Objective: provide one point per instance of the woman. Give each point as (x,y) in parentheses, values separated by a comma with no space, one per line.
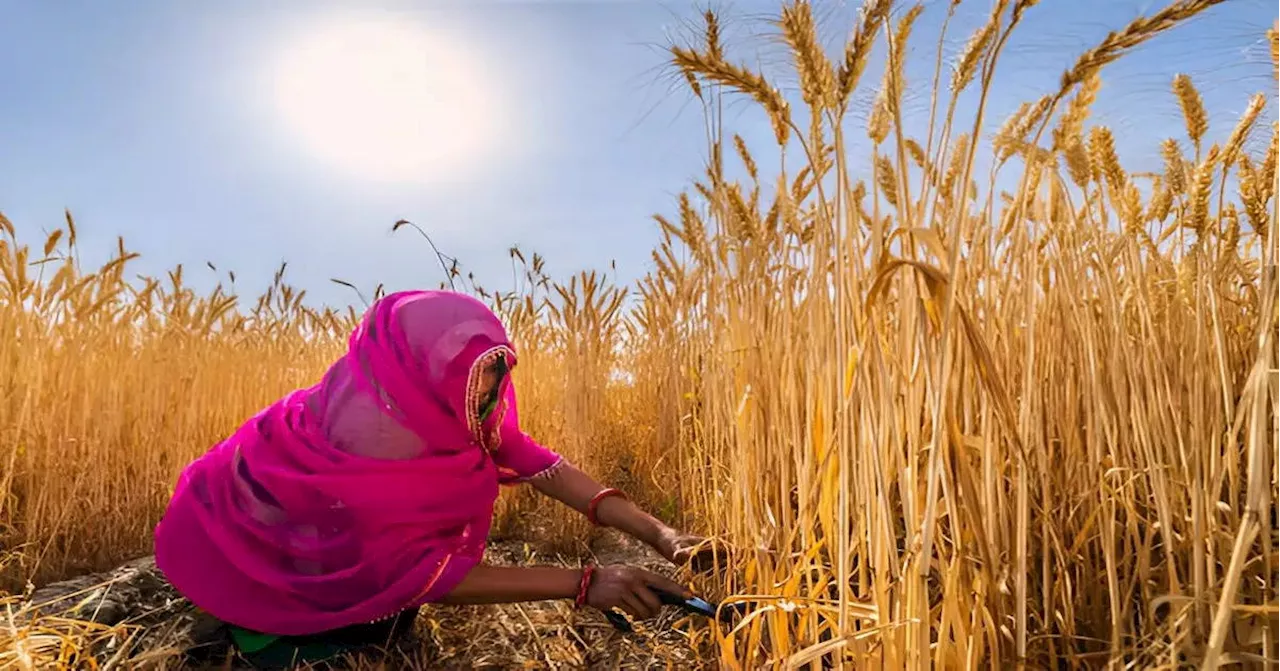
(359,499)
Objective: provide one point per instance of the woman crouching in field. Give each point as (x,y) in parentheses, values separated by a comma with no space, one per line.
(330,517)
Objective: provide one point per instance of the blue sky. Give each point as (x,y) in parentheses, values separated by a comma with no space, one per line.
(152,120)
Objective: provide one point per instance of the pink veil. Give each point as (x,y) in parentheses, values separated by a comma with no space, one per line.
(365,494)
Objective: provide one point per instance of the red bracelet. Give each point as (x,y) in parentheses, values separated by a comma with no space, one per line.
(587,572)
(595,503)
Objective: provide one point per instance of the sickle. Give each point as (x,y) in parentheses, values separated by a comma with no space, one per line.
(693,606)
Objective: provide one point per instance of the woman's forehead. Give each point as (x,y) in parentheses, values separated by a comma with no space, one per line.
(496,361)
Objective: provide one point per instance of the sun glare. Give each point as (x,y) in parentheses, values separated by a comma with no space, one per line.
(389,101)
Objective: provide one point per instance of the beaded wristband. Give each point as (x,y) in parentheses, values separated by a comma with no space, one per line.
(595,503)
(587,571)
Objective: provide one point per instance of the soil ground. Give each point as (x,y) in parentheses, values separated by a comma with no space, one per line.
(131,618)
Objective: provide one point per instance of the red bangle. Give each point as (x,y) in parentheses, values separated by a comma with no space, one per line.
(595,503)
(587,572)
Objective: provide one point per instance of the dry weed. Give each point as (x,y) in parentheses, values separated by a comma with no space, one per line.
(938,428)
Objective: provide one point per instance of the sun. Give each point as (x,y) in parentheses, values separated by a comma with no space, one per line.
(386,100)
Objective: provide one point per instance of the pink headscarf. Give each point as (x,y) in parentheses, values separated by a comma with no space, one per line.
(366,494)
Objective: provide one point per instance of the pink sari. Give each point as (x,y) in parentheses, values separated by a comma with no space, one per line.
(363,495)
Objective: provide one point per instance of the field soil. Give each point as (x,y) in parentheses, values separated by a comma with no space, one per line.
(132,618)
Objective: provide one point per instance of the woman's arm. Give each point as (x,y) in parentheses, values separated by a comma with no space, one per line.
(625,587)
(522,459)
(510,584)
(571,486)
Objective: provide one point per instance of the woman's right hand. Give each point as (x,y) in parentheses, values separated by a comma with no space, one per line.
(630,589)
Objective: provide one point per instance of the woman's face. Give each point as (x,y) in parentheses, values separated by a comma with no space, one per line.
(490,383)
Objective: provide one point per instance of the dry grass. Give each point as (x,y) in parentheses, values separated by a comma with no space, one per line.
(141,623)
(941,425)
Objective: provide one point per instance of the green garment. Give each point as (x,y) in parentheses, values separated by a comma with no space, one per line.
(268,651)
(489,407)
(271,651)
(251,641)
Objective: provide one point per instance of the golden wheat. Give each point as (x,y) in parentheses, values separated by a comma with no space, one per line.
(933,428)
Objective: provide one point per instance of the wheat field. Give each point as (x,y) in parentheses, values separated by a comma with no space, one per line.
(934,423)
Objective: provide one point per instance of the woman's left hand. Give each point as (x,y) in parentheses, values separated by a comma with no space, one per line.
(681,548)
(577,489)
